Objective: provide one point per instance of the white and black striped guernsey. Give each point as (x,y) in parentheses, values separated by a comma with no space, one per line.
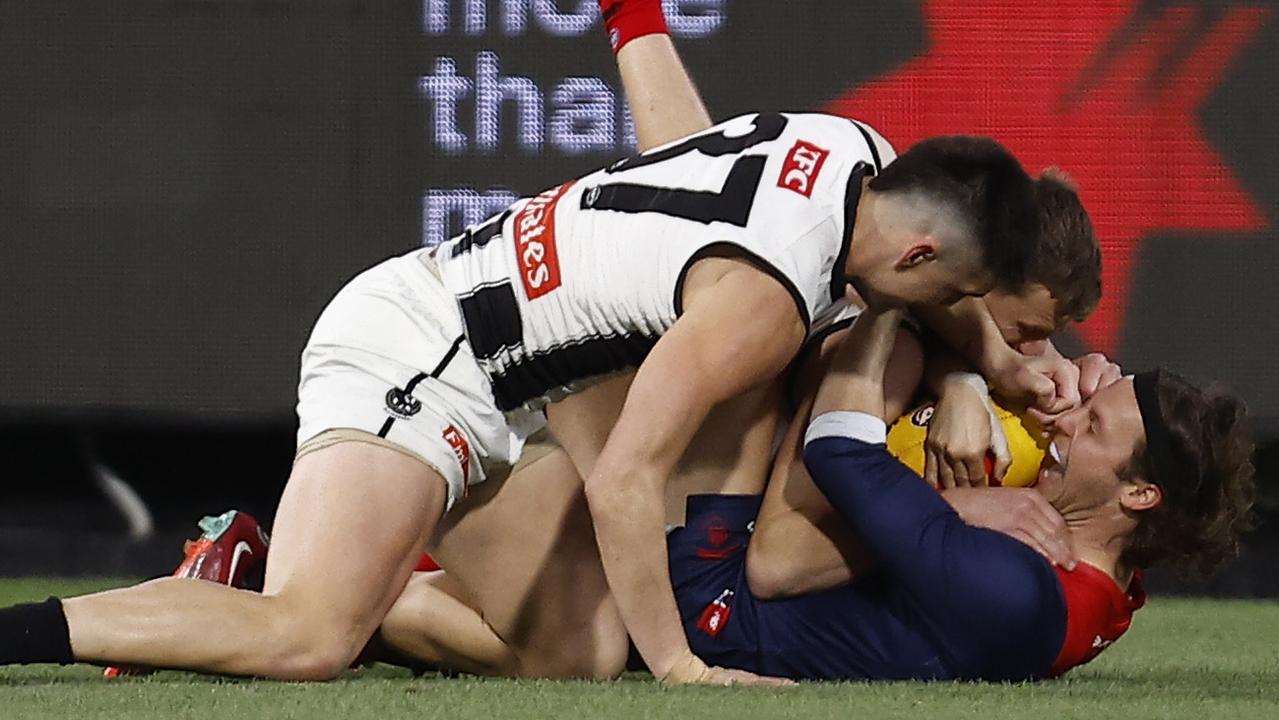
(581,280)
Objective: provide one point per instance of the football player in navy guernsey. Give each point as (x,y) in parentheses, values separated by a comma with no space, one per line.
(704,262)
(1150,469)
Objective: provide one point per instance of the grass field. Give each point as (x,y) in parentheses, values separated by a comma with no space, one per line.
(1199,659)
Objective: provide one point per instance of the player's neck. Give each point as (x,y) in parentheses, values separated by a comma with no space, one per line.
(1101,545)
(861,238)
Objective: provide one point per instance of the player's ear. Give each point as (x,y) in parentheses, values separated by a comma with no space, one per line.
(917,254)
(1139,495)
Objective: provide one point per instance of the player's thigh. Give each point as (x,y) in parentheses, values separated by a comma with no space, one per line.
(351,520)
(583,421)
(731,453)
(525,552)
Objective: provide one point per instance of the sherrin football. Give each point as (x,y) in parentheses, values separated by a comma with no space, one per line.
(1026,443)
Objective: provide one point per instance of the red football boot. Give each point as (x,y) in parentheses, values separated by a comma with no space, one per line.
(230,551)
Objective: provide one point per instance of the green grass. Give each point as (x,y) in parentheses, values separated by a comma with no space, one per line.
(1201,659)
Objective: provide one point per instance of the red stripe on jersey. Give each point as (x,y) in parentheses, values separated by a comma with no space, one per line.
(1098,612)
(534,228)
(462,451)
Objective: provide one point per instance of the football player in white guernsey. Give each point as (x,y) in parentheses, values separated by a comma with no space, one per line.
(704,262)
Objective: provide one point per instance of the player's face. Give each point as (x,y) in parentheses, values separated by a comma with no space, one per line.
(922,276)
(1094,442)
(1026,316)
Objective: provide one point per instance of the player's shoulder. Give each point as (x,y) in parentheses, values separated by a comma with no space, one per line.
(841,132)
(848,134)
(1098,612)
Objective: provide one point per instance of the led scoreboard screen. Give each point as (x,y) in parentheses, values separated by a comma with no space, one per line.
(527,87)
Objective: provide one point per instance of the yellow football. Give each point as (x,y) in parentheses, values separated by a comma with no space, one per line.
(1026,443)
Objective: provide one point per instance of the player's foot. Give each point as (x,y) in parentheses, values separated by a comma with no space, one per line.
(231,550)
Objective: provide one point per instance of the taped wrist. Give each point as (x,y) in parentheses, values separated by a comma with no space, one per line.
(626,20)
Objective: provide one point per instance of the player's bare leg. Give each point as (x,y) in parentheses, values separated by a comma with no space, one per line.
(434,623)
(524,590)
(540,583)
(351,522)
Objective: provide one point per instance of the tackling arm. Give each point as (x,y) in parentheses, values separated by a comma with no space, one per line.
(663,98)
(1046,382)
(736,333)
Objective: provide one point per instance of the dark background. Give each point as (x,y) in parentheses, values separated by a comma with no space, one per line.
(185,183)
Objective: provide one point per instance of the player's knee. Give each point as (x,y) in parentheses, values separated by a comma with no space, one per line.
(576,663)
(606,659)
(596,649)
(310,649)
(315,659)
(610,658)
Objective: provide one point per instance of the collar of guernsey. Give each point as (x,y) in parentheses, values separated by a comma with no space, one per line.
(1098,612)
(852,196)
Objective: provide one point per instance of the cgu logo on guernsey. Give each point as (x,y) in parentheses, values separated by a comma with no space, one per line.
(535,242)
(804,162)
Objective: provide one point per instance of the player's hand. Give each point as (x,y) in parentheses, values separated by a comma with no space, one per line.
(690,670)
(1096,372)
(1020,513)
(1046,381)
(963,429)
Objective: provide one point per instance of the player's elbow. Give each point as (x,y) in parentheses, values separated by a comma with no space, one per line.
(611,491)
(820,461)
(767,579)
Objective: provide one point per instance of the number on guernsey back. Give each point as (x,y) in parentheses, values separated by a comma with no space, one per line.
(732,204)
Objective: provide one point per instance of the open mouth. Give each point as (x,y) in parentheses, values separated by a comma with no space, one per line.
(1054,452)
(1053,466)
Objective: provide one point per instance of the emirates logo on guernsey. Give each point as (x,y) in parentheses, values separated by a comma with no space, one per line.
(535,242)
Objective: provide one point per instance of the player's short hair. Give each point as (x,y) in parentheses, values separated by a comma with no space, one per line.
(1068,259)
(985,186)
(1207,502)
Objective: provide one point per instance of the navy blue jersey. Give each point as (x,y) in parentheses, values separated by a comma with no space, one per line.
(947,600)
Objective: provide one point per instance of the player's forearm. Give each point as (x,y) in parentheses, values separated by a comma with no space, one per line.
(793,554)
(855,380)
(664,101)
(626,507)
(884,501)
(969,330)
(940,366)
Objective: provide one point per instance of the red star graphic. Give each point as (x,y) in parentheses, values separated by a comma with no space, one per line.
(1027,74)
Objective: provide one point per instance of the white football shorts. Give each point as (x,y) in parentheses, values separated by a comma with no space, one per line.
(388,359)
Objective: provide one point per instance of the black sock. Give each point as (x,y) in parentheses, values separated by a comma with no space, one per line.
(35,633)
